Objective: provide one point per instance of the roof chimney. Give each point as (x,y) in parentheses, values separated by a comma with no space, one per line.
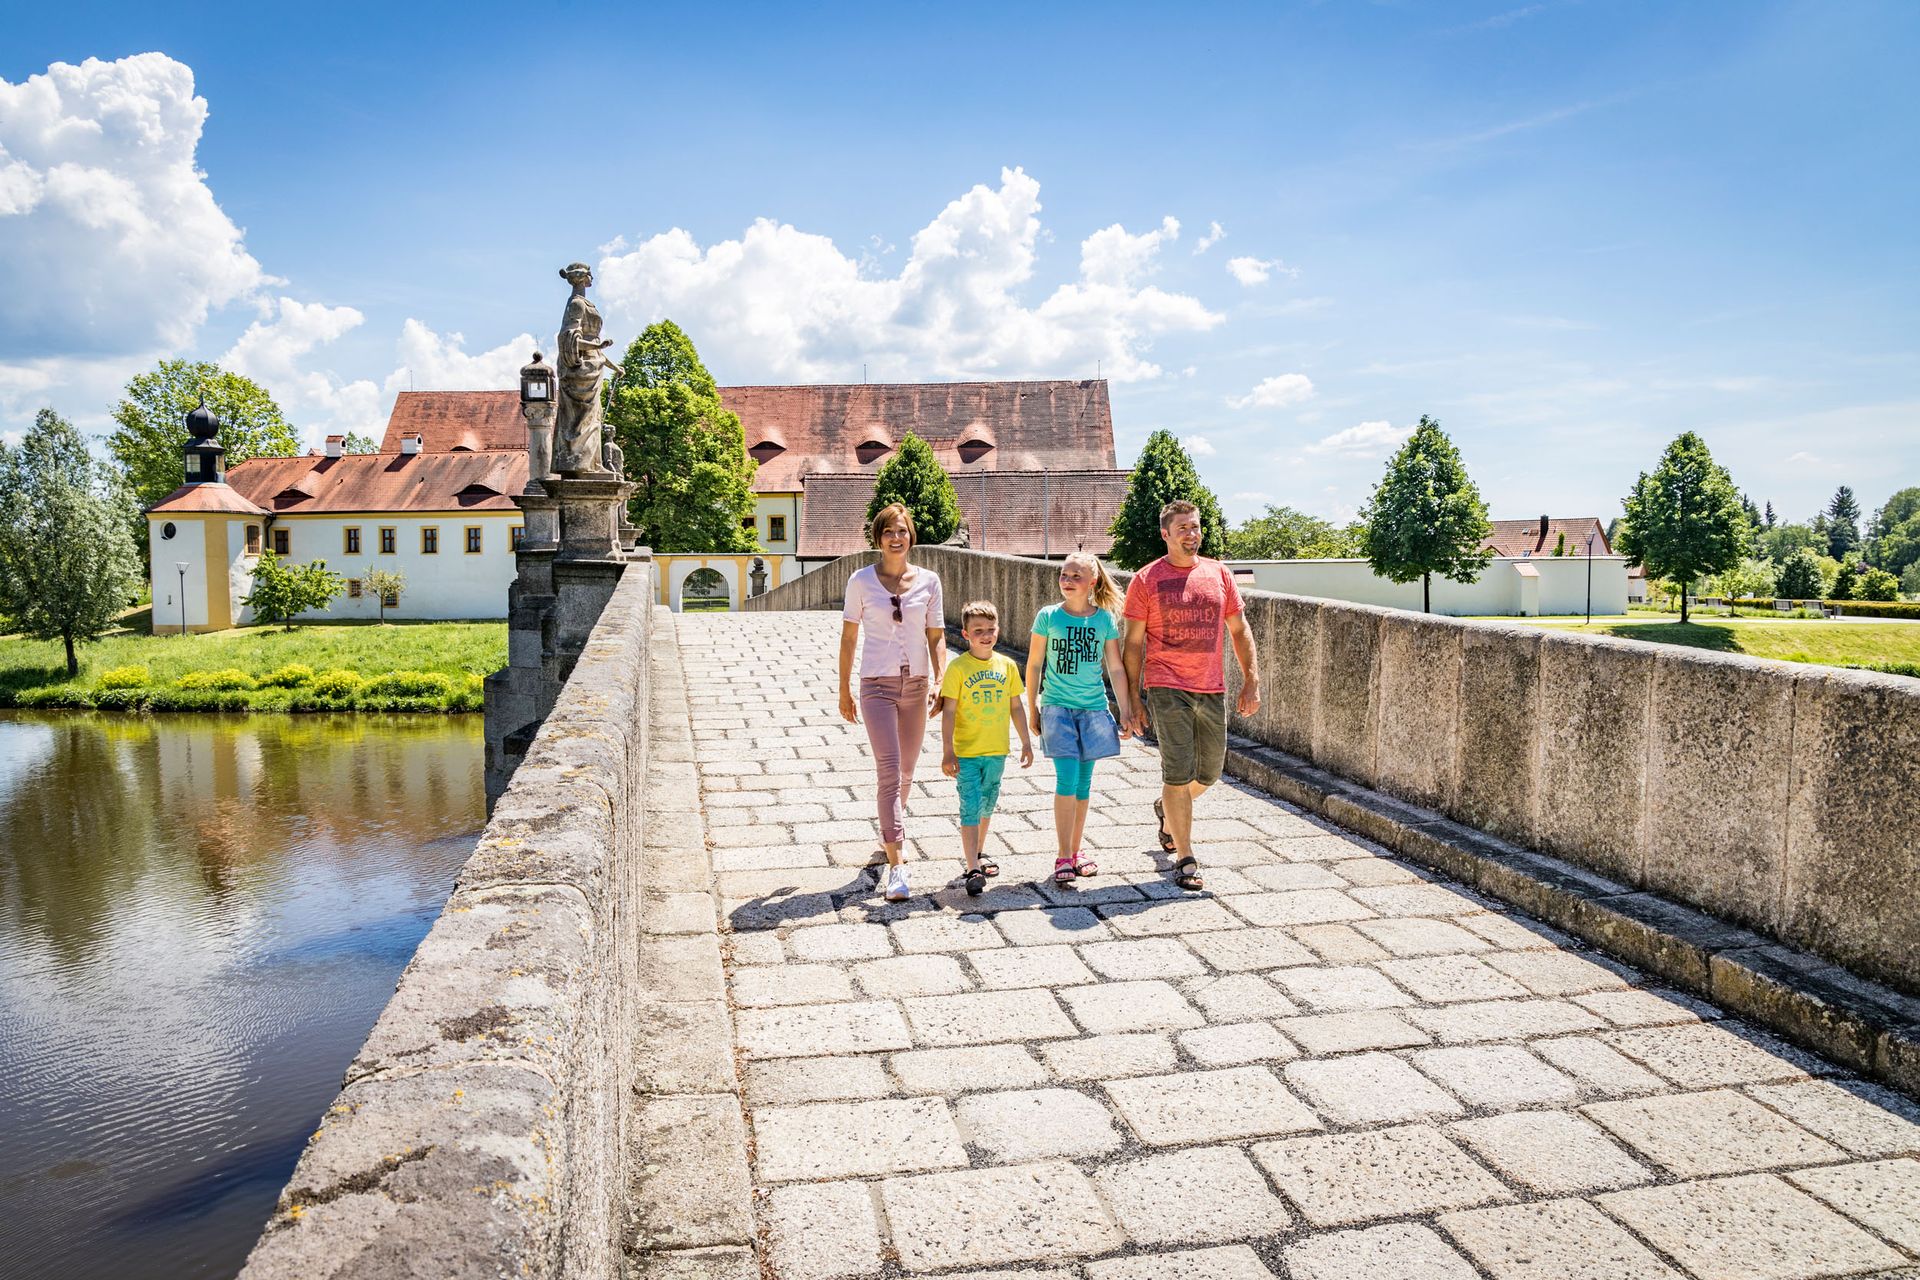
(1543,528)
(412,442)
(336,445)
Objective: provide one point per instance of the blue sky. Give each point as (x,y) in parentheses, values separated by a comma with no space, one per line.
(1567,230)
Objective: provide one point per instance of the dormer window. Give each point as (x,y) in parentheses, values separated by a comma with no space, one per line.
(872,450)
(974,448)
(766,451)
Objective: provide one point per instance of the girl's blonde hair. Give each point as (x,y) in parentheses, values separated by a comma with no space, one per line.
(1106,592)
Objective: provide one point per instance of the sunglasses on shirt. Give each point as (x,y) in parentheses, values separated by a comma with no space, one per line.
(896,608)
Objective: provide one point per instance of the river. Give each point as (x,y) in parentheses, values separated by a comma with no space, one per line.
(200,919)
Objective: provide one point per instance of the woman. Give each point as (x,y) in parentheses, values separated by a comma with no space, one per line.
(902,657)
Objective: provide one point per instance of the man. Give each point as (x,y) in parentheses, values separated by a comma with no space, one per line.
(1177,609)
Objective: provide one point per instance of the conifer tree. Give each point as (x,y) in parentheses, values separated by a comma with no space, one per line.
(1684,521)
(1800,576)
(1162,474)
(1843,524)
(685,451)
(67,559)
(1426,516)
(913,478)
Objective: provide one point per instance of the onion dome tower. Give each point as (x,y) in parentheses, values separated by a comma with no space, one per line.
(206,458)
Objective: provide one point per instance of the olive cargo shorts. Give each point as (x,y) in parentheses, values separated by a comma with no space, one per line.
(1192,729)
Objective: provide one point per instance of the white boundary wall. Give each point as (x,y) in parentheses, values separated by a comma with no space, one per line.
(1511,586)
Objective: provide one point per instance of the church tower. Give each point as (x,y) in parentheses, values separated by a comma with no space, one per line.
(206,457)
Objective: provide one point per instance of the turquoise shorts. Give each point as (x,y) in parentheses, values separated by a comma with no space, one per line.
(979,787)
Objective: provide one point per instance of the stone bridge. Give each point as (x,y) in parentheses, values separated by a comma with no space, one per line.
(667,1029)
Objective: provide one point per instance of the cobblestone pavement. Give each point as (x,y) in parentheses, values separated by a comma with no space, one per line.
(1329,1066)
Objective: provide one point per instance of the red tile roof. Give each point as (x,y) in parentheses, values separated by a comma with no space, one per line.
(972,426)
(1526,538)
(369,482)
(207,498)
(1022,513)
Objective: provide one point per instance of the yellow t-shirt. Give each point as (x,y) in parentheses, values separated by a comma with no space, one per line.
(983,694)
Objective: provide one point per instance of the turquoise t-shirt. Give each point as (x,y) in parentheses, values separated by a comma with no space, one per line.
(1076,648)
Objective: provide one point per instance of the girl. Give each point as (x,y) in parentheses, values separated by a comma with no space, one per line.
(897,607)
(1071,643)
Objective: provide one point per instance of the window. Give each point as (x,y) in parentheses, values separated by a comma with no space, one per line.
(282,541)
(514,535)
(430,541)
(473,539)
(776,528)
(386,541)
(391,600)
(353,540)
(353,588)
(751,525)
(253,539)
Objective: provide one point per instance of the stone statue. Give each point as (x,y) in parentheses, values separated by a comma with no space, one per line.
(758,576)
(582,361)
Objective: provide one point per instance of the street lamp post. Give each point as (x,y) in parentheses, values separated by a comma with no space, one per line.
(1590,579)
(181,565)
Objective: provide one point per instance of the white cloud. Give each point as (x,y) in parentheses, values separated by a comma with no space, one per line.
(1215,234)
(1253,271)
(1368,440)
(114,243)
(273,351)
(1199,446)
(1276,392)
(432,362)
(782,304)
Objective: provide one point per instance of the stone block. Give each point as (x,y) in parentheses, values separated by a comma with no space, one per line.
(1416,756)
(1209,1106)
(1449,979)
(1499,731)
(1287,631)
(1237,1044)
(986,1017)
(1403,1250)
(1369,1088)
(992,1217)
(1326,1033)
(1141,958)
(1557,973)
(1045,966)
(1036,1124)
(802,1031)
(1344,1179)
(1593,767)
(1340,988)
(854,1139)
(689,1187)
(950,1071)
(1416,936)
(825,1231)
(1754,1227)
(1811,1003)
(1497,1077)
(1502,1020)
(1853,832)
(782,984)
(1865,1119)
(1556,1240)
(1052,925)
(1239,997)
(1707,1055)
(1241,950)
(693,1264)
(1697,1135)
(1109,1057)
(794,1080)
(1550,1153)
(1662,937)
(922,975)
(1230,1262)
(1129,1006)
(1599,1068)
(1221,1195)
(1885,1196)
(683,1047)
(1346,701)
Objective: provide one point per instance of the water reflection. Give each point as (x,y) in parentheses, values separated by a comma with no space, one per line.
(200,918)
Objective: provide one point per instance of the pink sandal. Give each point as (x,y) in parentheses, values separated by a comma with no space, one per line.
(1084,866)
(1063,870)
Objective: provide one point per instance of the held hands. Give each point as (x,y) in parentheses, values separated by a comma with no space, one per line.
(848,710)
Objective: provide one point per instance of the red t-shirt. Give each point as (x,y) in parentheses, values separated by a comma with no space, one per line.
(1186,612)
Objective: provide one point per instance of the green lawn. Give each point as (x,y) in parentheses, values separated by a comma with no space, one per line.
(403,666)
(1884,645)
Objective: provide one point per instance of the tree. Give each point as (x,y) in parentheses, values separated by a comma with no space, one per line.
(1876,584)
(1780,542)
(358,442)
(685,451)
(1846,582)
(67,560)
(913,478)
(1426,516)
(152,424)
(1754,519)
(1560,547)
(386,585)
(1893,536)
(1800,576)
(1283,533)
(282,593)
(1684,521)
(1843,524)
(1748,580)
(1769,517)
(1910,580)
(1163,473)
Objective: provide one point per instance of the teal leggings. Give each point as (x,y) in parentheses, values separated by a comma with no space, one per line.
(1072,777)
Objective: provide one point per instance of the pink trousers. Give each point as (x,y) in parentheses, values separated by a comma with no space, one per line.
(894,709)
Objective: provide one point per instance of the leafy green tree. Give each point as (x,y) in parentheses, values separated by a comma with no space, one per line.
(1779,542)
(67,560)
(151,418)
(282,592)
(913,478)
(1748,580)
(1910,580)
(1843,524)
(1283,533)
(386,584)
(1846,582)
(359,442)
(1426,516)
(1163,473)
(685,452)
(1684,521)
(1893,536)
(1800,577)
(1876,584)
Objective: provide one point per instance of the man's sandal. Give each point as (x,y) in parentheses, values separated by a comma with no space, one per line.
(976,880)
(988,867)
(1063,872)
(1084,866)
(1166,841)
(1186,877)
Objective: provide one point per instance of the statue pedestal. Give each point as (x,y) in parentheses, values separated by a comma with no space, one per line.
(541,519)
(590,508)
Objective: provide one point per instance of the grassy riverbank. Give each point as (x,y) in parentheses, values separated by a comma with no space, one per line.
(405,666)
(1880,646)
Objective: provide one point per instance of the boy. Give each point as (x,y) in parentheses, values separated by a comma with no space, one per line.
(978,695)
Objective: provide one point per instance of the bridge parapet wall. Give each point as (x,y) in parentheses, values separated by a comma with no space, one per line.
(1780,796)
(480,1129)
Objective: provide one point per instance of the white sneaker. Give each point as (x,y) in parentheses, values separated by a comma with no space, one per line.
(894,884)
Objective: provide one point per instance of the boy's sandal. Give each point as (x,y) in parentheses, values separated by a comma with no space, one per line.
(1084,866)
(976,881)
(1063,870)
(1167,844)
(988,867)
(1186,877)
